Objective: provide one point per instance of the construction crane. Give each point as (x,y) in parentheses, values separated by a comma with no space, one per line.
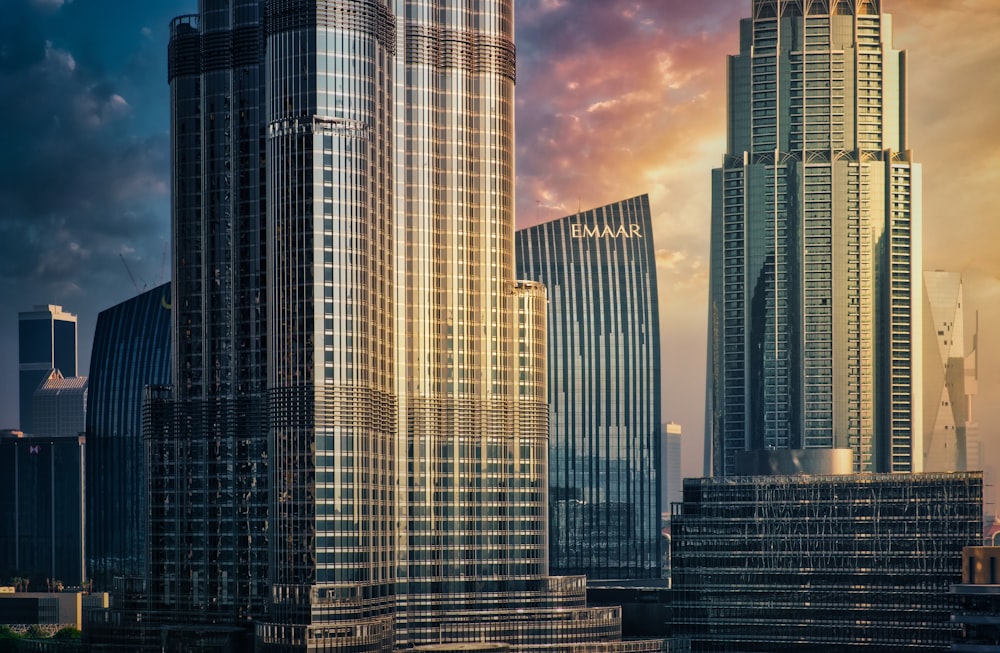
(130,275)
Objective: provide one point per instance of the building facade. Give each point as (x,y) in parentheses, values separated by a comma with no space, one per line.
(604,388)
(822,564)
(60,406)
(951,436)
(131,350)
(815,302)
(352,453)
(47,340)
(206,433)
(977,601)
(41,507)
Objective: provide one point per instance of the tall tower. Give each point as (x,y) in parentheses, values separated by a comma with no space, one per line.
(47,340)
(206,434)
(604,388)
(131,350)
(815,301)
(359,381)
(331,370)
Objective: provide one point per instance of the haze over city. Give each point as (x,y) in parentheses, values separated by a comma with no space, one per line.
(615,98)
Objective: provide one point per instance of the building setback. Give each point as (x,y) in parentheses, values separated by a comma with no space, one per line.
(131,350)
(815,301)
(604,388)
(822,564)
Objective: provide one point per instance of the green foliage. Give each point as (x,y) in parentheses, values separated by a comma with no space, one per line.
(69,633)
(8,640)
(34,632)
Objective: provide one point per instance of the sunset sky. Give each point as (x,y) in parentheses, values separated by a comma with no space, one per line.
(615,98)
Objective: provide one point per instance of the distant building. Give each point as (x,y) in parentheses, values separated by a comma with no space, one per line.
(60,406)
(977,610)
(822,563)
(951,437)
(54,609)
(671,482)
(47,341)
(41,507)
(131,350)
(604,388)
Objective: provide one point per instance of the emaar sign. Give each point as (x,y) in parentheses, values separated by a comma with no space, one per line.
(606,231)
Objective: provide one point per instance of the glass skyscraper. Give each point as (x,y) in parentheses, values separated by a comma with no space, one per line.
(131,350)
(206,434)
(352,455)
(815,302)
(46,342)
(604,388)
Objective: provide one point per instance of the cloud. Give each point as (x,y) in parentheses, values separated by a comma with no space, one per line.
(49,5)
(78,182)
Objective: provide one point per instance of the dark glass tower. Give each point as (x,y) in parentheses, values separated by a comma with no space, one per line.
(131,350)
(604,388)
(41,504)
(207,433)
(46,342)
(815,300)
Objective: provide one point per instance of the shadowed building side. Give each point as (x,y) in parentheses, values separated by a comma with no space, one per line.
(131,350)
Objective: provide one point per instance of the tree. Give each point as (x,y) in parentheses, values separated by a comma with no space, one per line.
(69,633)
(8,640)
(35,632)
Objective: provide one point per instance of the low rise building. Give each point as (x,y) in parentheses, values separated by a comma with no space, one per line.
(822,564)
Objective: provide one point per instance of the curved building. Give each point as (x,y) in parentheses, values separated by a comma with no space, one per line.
(131,350)
(604,388)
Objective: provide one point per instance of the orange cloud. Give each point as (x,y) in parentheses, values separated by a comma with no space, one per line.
(617,98)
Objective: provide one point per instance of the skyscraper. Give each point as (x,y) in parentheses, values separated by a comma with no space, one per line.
(951,437)
(352,456)
(815,302)
(46,342)
(604,388)
(131,350)
(206,435)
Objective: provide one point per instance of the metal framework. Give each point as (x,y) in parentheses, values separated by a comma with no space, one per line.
(835,563)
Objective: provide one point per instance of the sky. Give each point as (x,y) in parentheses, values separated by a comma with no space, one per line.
(614,98)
